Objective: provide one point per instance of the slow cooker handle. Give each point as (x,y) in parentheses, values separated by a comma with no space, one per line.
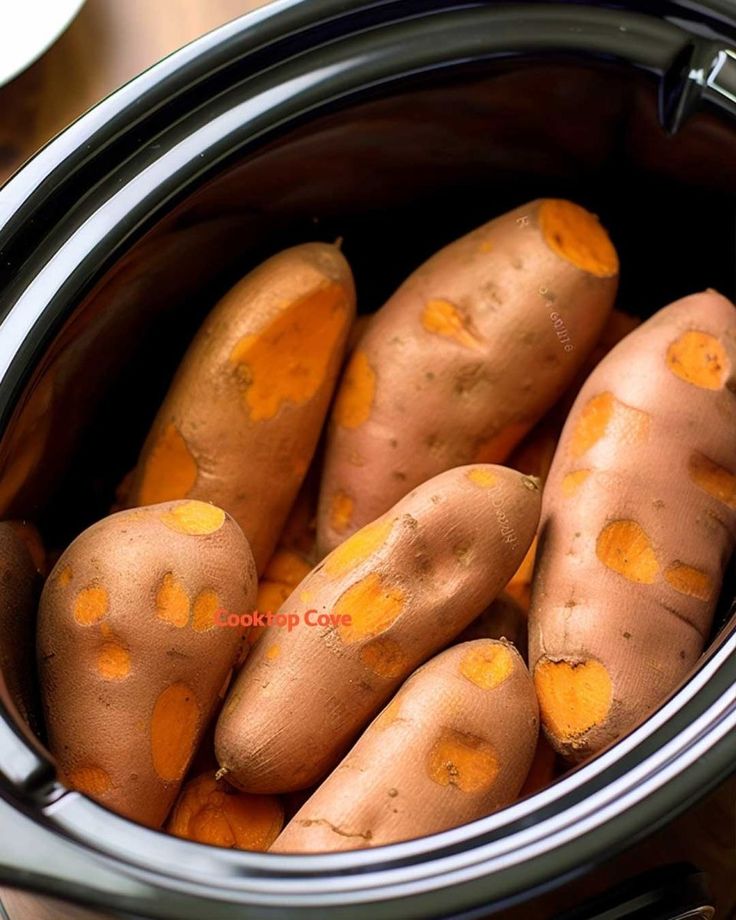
(678,891)
(37,859)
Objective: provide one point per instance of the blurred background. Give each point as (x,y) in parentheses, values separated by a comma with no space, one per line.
(108,42)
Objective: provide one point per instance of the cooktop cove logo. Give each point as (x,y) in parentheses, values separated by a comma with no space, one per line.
(283,619)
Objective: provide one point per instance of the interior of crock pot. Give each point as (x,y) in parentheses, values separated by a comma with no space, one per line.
(394,179)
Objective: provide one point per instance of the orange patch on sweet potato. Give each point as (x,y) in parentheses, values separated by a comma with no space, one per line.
(172,601)
(91,781)
(592,424)
(212,812)
(572,482)
(287,361)
(356,393)
(389,715)
(577,236)
(174,726)
(689,580)
(286,567)
(195,518)
(113,661)
(357,548)
(699,359)
(714,479)
(372,605)
(91,605)
(486,479)
(341,511)
(170,470)
(487,666)
(625,547)
(206,605)
(440,317)
(464,761)
(573,697)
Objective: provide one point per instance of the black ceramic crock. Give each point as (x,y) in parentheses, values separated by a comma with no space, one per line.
(396,125)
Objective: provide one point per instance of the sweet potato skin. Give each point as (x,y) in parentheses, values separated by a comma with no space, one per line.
(20,587)
(455,744)
(505,618)
(242,417)
(130,658)
(638,523)
(411,581)
(458,365)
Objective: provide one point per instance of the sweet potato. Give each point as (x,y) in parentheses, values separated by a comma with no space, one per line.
(454,745)
(130,657)
(639,520)
(211,811)
(282,574)
(535,453)
(543,771)
(505,618)
(20,587)
(465,357)
(242,417)
(390,597)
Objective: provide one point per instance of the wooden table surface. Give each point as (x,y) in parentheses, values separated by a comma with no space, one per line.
(109,42)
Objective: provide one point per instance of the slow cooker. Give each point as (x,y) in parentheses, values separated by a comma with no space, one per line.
(396,125)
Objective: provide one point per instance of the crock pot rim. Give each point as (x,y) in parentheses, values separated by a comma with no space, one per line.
(718,756)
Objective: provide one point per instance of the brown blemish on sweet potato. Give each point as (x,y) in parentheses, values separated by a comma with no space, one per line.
(384,657)
(625,547)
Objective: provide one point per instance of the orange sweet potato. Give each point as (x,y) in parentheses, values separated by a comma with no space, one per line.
(472,349)
(639,521)
(243,415)
(391,596)
(131,660)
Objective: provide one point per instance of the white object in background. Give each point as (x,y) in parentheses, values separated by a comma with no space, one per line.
(28,28)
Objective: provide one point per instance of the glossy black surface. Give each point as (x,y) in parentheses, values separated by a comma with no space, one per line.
(397,126)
